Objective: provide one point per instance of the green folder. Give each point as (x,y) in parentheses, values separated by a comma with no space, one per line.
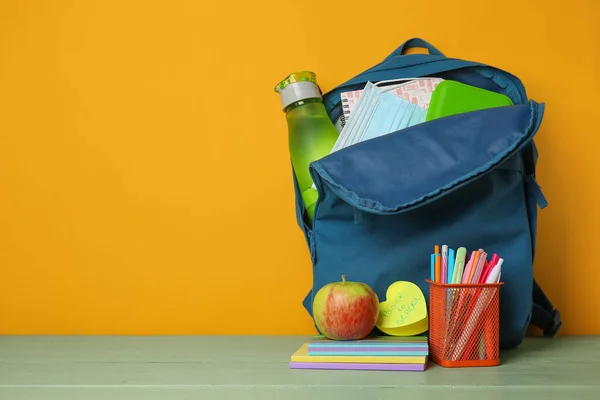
(451,97)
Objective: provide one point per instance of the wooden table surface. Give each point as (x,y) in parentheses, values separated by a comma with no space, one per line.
(256,367)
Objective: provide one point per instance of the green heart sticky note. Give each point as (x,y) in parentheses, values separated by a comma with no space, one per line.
(404,312)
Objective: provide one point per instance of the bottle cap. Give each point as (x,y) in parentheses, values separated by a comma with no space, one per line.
(298,86)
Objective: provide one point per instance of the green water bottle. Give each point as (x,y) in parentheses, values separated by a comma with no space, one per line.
(311,134)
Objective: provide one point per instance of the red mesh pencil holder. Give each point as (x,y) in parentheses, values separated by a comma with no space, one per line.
(464,324)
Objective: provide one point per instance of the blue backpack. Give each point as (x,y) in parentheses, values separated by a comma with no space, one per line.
(384,203)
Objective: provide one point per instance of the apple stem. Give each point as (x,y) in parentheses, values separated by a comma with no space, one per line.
(343,278)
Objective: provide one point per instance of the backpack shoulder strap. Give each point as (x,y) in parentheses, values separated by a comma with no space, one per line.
(544,315)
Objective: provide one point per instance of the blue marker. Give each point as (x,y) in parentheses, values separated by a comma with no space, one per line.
(433,267)
(451,261)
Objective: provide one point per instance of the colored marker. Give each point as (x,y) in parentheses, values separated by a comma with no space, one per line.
(436,272)
(474,265)
(488,268)
(494,276)
(444,273)
(468,267)
(459,265)
(478,271)
(451,261)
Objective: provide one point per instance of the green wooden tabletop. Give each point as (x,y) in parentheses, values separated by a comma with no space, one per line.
(256,367)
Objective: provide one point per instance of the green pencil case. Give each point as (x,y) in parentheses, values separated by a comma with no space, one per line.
(451,97)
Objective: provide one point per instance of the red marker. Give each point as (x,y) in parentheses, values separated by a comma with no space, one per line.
(489,268)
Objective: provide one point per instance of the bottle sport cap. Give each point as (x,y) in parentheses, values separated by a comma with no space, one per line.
(298,86)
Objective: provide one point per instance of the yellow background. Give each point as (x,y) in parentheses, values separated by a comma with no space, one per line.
(144,172)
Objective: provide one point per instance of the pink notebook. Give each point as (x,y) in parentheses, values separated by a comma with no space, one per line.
(417,92)
(365,367)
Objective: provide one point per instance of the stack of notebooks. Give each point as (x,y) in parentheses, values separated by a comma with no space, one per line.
(381,353)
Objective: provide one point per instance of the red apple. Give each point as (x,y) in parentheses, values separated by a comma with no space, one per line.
(346,310)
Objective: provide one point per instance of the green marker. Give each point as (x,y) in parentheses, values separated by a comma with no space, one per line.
(459,265)
(311,134)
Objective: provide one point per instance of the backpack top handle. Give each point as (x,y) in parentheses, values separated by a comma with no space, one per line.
(415,43)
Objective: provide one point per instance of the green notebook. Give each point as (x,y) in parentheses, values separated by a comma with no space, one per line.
(372,339)
(451,97)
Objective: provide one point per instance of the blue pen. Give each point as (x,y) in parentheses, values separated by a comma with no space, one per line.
(433,267)
(451,261)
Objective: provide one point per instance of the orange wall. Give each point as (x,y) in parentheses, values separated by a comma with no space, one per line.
(143,154)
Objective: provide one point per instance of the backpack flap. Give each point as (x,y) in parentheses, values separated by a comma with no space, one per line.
(459,180)
(410,168)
